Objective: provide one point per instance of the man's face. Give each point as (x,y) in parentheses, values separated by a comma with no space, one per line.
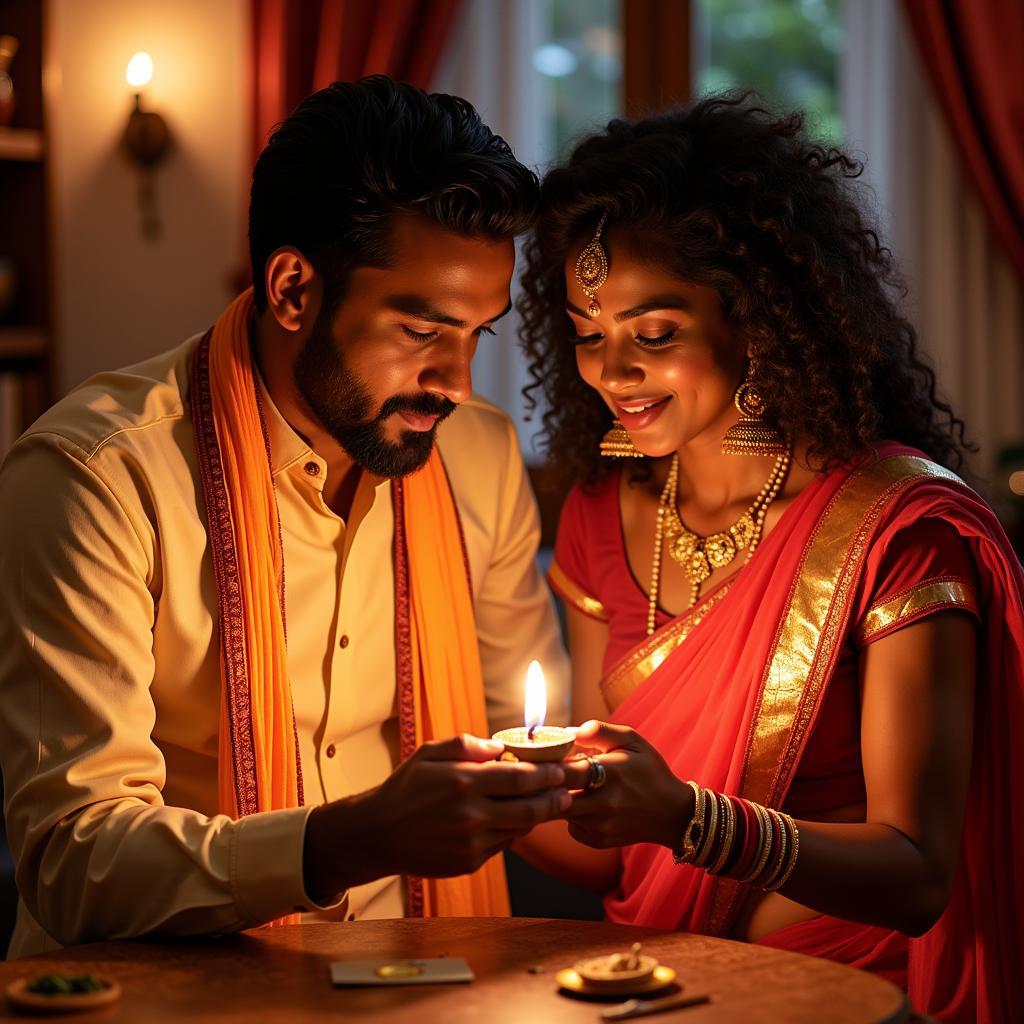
(394,358)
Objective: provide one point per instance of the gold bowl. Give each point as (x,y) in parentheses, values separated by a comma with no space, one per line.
(598,974)
(660,978)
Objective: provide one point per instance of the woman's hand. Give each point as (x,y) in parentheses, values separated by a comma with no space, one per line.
(641,800)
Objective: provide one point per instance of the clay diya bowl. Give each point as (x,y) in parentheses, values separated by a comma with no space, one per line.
(548,743)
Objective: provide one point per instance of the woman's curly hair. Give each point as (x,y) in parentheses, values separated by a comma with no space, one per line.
(743,202)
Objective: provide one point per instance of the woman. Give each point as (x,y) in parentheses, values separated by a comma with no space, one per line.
(804,629)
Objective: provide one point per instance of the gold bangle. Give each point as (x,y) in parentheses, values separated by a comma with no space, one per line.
(693,833)
(752,867)
(782,861)
(704,849)
(730,836)
(794,849)
(775,840)
(774,870)
(766,844)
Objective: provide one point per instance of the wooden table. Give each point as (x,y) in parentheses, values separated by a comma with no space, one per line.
(281,974)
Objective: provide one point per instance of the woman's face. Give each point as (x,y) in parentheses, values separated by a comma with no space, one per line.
(660,353)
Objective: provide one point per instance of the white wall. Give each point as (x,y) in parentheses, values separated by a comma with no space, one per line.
(119,296)
(501,83)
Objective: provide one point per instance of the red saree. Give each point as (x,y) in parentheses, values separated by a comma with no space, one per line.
(762,652)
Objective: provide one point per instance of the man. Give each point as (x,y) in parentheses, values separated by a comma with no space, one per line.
(245,579)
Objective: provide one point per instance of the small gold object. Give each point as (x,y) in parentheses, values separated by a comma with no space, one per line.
(398,970)
(617,444)
(592,267)
(751,436)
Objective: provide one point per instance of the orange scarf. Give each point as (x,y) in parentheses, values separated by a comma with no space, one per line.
(441,688)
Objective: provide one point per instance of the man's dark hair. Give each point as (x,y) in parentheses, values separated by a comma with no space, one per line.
(353,155)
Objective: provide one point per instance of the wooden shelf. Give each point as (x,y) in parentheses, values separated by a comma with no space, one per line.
(22,343)
(26,337)
(21,144)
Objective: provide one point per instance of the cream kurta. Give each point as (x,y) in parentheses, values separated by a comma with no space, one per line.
(109,672)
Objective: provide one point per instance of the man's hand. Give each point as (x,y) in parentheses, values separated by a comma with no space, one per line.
(641,801)
(443,812)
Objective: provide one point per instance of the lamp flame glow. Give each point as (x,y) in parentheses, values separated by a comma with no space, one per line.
(140,70)
(535,706)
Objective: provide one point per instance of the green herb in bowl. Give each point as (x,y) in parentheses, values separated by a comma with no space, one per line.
(64,984)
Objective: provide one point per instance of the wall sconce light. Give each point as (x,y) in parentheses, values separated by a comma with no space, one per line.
(147,140)
(147,136)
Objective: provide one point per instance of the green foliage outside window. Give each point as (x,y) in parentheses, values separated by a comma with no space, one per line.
(588,93)
(788,50)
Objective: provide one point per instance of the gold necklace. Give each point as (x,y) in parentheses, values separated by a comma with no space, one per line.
(699,556)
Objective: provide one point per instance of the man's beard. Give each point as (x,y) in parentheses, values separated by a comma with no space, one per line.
(344,407)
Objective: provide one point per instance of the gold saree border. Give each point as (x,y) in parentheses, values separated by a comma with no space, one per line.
(912,604)
(641,663)
(574,594)
(809,635)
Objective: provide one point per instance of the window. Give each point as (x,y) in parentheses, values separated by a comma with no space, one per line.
(788,50)
(580,61)
(545,72)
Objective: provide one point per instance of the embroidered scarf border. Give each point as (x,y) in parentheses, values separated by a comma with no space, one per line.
(403,666)
(403,653)
(230,617)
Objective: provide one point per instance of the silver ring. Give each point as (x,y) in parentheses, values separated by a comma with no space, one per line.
(598,775)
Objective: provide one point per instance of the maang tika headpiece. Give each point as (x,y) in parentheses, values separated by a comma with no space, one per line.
(592,267)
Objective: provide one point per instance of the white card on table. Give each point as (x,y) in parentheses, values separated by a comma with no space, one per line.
(439,970)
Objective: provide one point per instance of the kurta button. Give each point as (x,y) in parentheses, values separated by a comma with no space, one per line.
(343,642)
(312,468)
(331,750)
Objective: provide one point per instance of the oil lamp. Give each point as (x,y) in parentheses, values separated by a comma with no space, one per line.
(534,741)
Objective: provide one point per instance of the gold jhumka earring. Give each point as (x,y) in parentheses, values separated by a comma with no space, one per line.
(591,273)
(752,436)
(617,444)
(592,267)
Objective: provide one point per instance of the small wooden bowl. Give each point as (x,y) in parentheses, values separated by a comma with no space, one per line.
(19,997)
(549,743)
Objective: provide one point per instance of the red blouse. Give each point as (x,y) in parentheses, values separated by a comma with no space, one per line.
(917,570)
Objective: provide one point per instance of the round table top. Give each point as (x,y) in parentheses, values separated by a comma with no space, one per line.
(282,974)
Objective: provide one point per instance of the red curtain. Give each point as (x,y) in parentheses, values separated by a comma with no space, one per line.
(974,52)
(299,46)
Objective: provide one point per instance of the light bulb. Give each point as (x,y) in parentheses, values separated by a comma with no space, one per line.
(140,70)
